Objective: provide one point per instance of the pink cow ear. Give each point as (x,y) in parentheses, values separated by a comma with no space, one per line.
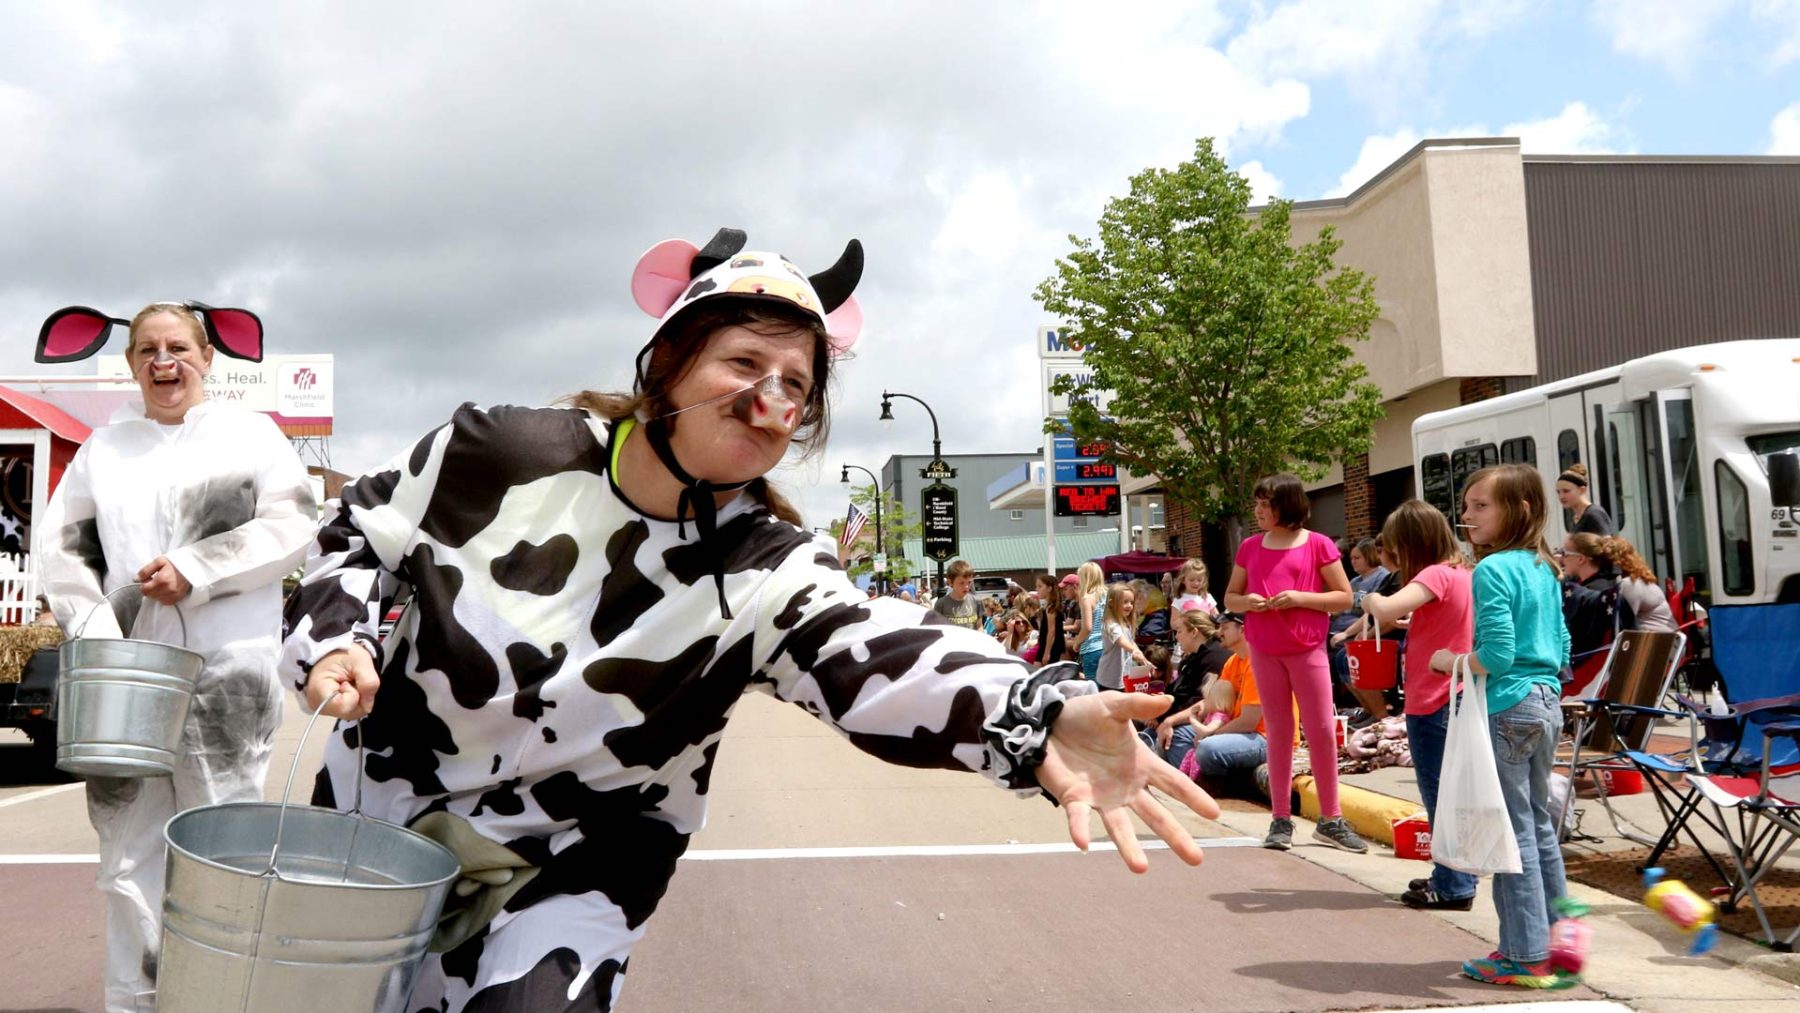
(661,274)
(843,325)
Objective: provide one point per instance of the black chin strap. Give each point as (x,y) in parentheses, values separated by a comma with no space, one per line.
(697,496)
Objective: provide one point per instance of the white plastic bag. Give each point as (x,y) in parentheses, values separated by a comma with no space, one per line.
(1470,830)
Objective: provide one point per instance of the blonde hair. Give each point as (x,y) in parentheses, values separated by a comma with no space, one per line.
(1093,581)
(1518,493)
(174,309)
(1196,621)
(1220,695)
(1188,569)
(1615,550)
(1114,595)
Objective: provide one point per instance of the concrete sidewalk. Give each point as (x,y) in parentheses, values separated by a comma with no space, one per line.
(1636,958)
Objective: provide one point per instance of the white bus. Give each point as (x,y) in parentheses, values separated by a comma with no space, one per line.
(1692,451)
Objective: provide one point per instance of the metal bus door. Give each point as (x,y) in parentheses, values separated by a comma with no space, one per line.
(1623,472)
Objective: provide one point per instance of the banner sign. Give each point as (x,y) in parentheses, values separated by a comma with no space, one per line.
(293,390)
(937,508)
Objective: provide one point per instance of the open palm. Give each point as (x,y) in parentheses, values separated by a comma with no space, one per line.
(1094,760)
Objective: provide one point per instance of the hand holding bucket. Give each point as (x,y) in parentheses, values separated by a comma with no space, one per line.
(121,704)
(1370,666)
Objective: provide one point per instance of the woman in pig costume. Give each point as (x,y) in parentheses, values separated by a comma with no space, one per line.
(594,588)
(207,506)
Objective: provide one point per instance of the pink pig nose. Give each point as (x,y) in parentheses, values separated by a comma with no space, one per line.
(766,412)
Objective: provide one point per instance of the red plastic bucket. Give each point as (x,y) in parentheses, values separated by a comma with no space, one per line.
(1412,838)
(1371,667)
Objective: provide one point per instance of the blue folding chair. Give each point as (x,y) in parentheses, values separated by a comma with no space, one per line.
(1757,651)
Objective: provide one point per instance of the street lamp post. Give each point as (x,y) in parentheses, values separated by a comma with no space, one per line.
(880,578)
(937,444)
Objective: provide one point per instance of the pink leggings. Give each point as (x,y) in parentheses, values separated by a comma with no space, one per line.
(1280,679)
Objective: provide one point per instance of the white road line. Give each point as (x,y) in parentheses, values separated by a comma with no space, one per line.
(763,854)
(1547,1006)
(943,850)
(32,796)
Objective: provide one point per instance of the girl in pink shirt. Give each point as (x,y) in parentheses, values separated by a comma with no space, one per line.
(1288,581)
(1437,593)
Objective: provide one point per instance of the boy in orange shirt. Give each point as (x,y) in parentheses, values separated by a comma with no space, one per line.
(1238,749)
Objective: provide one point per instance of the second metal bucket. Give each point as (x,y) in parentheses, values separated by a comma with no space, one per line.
(272,908)
(121,704)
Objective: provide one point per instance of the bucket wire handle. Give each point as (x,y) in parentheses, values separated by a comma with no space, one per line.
(288,792)
(107,598)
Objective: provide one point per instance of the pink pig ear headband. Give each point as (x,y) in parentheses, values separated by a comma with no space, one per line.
(675,274)
(74,333)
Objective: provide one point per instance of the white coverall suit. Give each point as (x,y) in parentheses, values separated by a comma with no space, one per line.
(225,498)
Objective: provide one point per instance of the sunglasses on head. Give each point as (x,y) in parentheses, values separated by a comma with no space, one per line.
(74,333)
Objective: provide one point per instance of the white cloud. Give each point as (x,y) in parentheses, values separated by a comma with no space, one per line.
(1671,33)
(1575,130)
(1377,152)
(1784,131)
(1264,186)
(1781,20)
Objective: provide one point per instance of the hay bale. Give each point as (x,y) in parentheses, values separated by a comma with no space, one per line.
(19,643)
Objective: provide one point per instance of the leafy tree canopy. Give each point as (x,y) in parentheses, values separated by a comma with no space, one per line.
(1227,347)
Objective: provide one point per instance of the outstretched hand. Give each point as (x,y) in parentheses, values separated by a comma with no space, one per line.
(1094,760)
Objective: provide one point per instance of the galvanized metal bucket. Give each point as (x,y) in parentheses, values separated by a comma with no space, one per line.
(296,909)
(121,704)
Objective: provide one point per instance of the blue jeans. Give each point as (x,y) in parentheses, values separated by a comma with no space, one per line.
(1425,733)
(1222,757)
(1524,738)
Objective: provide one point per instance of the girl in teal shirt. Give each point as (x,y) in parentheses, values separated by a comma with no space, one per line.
(1521,645)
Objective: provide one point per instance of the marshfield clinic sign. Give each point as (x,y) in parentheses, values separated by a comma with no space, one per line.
(293,390)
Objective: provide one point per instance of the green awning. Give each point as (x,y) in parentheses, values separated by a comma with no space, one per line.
(1022,552)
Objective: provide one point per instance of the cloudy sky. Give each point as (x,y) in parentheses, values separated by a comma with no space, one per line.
(449,197)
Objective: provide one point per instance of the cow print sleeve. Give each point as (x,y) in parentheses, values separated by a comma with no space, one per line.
(900,682)
(353,568)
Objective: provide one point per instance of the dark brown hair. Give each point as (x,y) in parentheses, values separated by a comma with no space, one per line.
(1054,598)
(1418,535)
(678,347)
(1518,492)
(1287,498)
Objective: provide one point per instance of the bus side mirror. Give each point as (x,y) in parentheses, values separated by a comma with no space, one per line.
(1784,479)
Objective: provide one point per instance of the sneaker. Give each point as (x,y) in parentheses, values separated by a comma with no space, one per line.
(1427,899)
(1280,836)
(1419,884)
(1337,833)
(1498,970)
(1364,720)
(1262,779)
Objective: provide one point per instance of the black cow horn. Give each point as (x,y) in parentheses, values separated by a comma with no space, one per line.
(724,243)
(835,283)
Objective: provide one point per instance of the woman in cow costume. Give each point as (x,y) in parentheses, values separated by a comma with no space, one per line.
(208,508)
(595,586)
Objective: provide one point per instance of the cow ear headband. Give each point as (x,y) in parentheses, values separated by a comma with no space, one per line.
(674,275)
(74,333)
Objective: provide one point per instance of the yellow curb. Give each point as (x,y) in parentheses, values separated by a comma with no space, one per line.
(1370,813)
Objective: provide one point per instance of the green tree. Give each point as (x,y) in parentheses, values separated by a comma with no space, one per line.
(896,528)
(1226,346)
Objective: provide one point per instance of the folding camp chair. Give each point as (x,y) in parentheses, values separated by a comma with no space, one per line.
(1757,651)
(1637,672)
(1767,823)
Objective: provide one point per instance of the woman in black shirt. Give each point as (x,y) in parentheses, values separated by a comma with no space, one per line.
(1584,514)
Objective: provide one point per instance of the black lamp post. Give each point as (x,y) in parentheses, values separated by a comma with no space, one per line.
(880,578)
(937,444)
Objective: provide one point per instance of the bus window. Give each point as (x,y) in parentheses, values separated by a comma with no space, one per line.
(1568,449)
(1520,450)
(1736,559)
(1434,469)
(1466,462)
(1690,515)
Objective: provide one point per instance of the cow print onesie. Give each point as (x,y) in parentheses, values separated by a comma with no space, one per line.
(563,675)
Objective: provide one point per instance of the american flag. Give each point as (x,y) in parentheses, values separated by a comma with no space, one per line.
(853,525)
